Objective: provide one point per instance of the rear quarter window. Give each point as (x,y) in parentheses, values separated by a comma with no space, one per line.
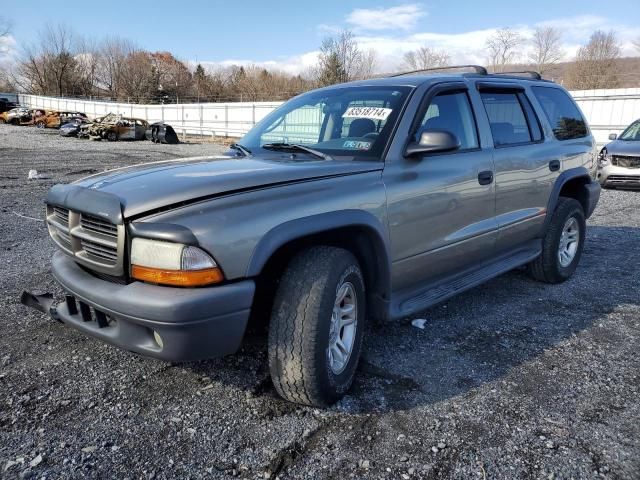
(561,111)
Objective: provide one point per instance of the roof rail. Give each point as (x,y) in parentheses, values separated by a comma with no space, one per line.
(529,73)
(476,68)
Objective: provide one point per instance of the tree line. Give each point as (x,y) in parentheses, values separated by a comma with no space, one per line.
(60,63)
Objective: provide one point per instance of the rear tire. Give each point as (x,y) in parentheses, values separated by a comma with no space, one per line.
(112,136)
(317,325)
(562,244)
(40,125)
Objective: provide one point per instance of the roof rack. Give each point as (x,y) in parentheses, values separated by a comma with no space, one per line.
(476,68)
(529,73)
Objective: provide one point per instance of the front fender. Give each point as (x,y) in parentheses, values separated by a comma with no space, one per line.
(302,227)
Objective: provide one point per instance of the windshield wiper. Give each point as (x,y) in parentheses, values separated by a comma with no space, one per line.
(293,147)
(243,150)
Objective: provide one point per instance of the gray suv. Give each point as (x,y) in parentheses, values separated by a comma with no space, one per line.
(368,201)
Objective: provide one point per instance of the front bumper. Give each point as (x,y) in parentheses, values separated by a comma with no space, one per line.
(614,176)
(193,323)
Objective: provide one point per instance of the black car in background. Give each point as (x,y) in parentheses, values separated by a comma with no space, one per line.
(6,105)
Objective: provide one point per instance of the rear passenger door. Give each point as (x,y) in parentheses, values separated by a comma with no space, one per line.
(525,168)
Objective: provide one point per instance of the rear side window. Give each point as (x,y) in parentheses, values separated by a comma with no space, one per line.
(563,115)
(511,118)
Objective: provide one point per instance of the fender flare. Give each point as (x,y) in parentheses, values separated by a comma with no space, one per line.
(303,227)
(590,193)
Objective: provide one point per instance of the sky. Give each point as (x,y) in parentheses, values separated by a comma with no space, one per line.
(286,34)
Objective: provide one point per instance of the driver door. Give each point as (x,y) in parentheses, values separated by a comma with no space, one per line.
(441,206)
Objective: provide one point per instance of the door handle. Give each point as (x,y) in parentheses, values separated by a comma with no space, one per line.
(485,178)
(554,165)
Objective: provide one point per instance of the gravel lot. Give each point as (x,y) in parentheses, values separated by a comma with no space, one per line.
(514,379)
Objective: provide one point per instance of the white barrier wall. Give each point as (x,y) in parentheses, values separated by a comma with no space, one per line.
(607,111)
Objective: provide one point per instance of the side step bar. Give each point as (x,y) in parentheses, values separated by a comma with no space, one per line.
(421,299)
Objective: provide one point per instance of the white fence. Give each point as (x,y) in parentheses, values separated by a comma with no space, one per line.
(608,111)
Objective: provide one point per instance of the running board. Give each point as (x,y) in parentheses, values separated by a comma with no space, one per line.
(421,299)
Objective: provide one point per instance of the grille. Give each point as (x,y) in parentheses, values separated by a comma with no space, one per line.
(623,178)
(625,161)
(95,243)
(98,225)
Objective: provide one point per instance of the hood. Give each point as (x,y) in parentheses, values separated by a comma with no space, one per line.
(622,147)
(152,186)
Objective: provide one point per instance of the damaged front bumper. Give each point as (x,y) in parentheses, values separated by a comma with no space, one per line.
(173,324)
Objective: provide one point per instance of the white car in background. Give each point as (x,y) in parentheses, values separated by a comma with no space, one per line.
(619,161)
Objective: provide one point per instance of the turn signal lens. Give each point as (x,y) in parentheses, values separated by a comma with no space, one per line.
(178,278)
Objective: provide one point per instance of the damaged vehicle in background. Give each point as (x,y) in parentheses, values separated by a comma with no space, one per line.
(72,128)
(53,119)
(20,116)
(162,133)
(115,127)
(619,161)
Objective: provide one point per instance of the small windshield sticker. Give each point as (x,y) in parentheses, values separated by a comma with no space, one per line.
(357,145)
(374,113)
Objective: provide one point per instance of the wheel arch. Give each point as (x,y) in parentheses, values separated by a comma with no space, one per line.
(574,183)
(358,231)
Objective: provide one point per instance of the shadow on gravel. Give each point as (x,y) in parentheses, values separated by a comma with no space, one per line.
(474,338)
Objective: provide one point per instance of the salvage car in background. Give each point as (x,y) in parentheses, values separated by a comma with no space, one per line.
(72,128)
(53,119)
(619,161)
(20,116)
(114,127)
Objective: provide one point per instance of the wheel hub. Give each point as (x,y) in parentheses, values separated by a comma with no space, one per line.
(569,239)
(342,332)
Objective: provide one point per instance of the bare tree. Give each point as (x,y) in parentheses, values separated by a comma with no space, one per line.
(341,60)
(426,57)
(502,48)
(112,56)
(368,64)
(594,66)
(547,48)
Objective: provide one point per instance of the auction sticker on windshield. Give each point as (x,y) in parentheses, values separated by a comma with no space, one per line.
(374,113)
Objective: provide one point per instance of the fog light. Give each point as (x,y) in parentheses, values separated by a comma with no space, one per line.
(158,339)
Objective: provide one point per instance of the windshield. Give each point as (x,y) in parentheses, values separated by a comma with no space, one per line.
(632,133)
(350,121)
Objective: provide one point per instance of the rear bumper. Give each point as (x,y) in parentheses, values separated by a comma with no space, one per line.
(193,323)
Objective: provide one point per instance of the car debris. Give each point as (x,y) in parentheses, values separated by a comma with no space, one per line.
(419,323)
(115,127)
(162,133)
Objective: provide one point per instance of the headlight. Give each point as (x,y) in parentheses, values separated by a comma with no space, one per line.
(175,264)
(604,158)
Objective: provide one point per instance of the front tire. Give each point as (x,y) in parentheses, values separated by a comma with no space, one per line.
(317,325)
(562,244)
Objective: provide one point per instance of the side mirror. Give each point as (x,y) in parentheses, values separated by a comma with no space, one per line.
(613,136)
(432,141)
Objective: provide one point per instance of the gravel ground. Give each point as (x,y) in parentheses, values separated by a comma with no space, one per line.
(514,379)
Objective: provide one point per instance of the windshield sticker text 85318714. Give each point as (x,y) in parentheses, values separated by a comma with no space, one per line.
(357,145)
(374,113)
